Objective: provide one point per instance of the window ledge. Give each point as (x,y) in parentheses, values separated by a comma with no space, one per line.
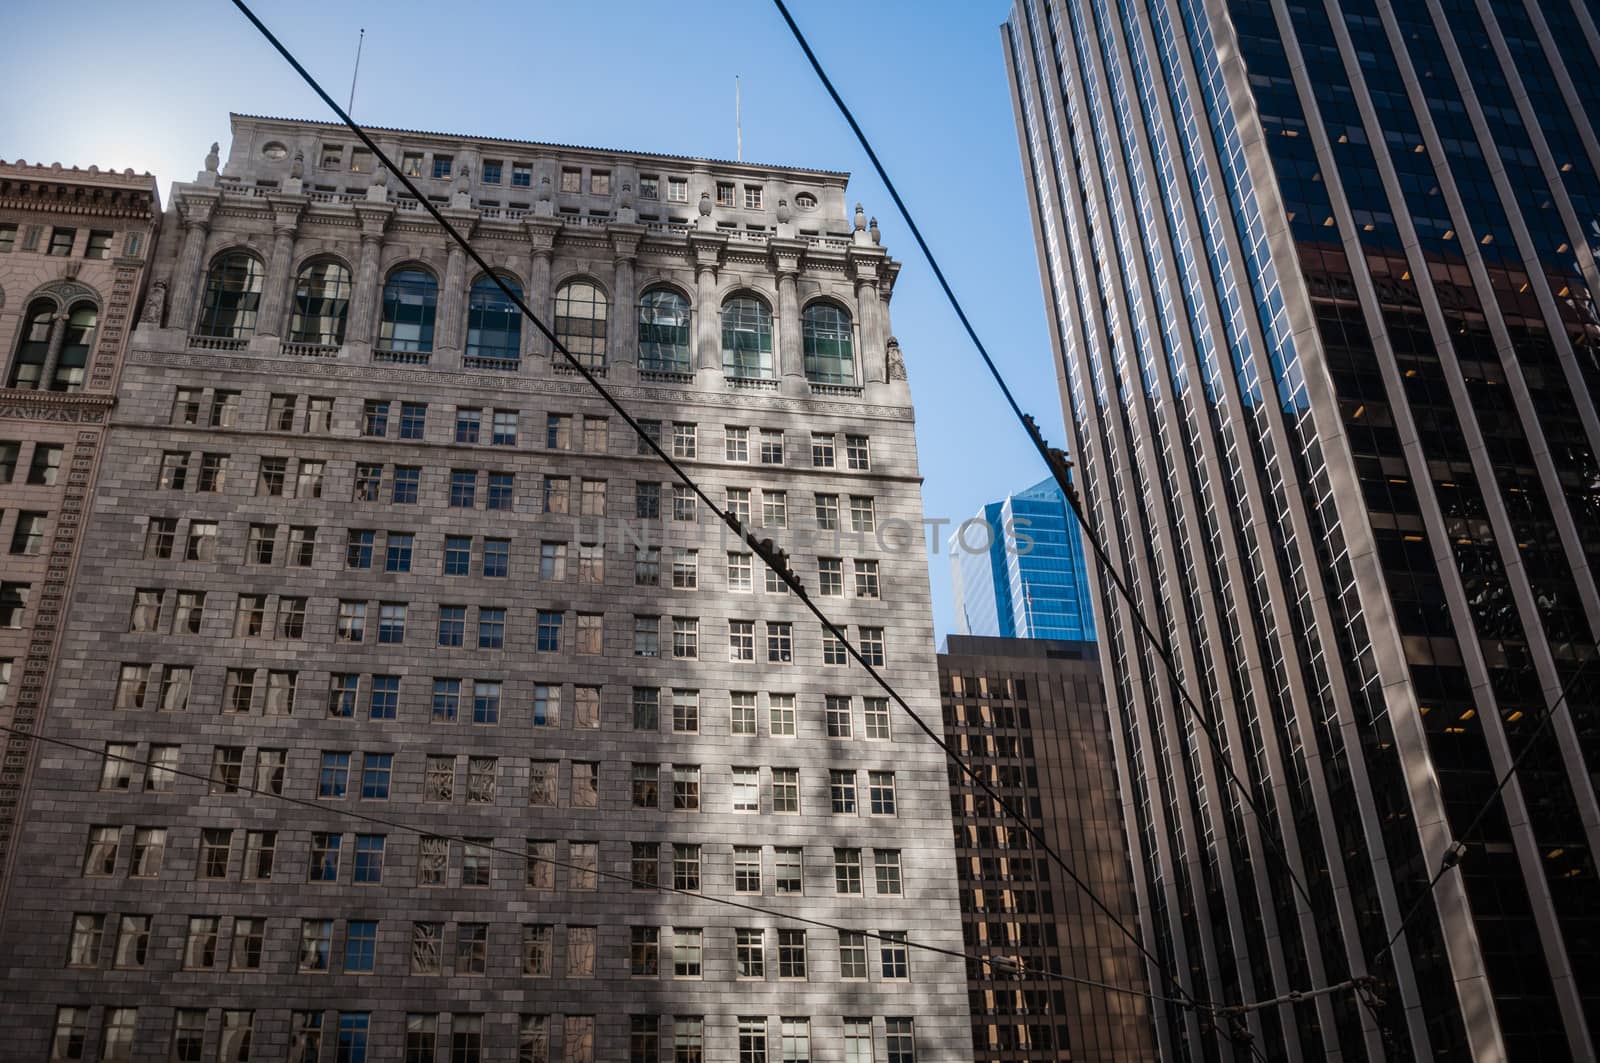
(383,354)
(217,343)
(309,350)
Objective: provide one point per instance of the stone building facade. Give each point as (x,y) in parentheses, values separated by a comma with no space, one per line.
(365,544)
(1031,715)
(74,246)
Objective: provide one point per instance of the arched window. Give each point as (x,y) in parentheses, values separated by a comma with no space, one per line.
(747,338)
(73,361)
(232,297)
(27,368)
(829,350)
(321,304)
(664,332)
(581,322)
(410,301)
(494,324)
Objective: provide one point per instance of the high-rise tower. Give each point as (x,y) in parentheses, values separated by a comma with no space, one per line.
(1321,279)
(364,544)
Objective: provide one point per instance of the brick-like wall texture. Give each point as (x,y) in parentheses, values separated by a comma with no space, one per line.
(167,677)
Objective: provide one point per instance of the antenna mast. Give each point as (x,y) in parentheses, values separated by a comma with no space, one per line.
(351,106)
(738,123)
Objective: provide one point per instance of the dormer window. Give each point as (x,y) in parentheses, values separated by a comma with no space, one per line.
(805,201)
(274,151)
(724,193)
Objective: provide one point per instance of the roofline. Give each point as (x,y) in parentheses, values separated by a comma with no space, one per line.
(752,166)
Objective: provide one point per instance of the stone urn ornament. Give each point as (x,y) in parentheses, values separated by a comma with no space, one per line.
(785,214)
(213,157)
(705,204)
(861,219)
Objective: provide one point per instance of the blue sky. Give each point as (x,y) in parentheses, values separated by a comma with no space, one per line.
(150,86)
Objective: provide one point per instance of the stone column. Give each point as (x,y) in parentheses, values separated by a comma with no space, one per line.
(187,279)
(869,335)
(452,301)
(707,338)
(277,296)
(791,356)
(542,241)
(364,298)
(622,331)
(52,357)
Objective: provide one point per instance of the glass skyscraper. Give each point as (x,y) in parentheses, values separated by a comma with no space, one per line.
(1321,278)
(1024,576)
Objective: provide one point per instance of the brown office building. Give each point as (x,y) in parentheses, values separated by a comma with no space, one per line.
(74,244)
(1031,714)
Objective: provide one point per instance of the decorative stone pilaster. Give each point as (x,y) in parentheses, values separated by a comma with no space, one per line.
(791,356)
(541,247)
(864,270)
(706,250)
(276,297)
(452,302)
(363,300)
(187,278)
(621,332)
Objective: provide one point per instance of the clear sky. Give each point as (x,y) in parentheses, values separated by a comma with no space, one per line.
(150,86)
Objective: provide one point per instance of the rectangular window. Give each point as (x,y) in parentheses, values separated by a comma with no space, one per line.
(546,705)
(413,420)
(457,555)
(743,713)
(375,418)
(833,648)
(497,558)
(686,867)
(741,640)
(644,952)
(542,781)
(863,513)
(521,175)
(871,646)
(847,871)
(782,714)
(686,953)
(645,786)
(685,638)
(880,790)
(159,538)
(685,440)
(463,488)
(391,623)
(740,572)
(592,500)
(376,771)
(774,509)
(887,864)
(858,453)
(558,431)
(260,849)
(725,191)
(485,702)
(852,955)
(686,788)
(501,491)
(549,631)
(472,958)
(319,415)
(792,954)
(842,791)
(785,790)
(746,869)
(600,183)
(647,636)
(830,576)
(589,634)
(585,785)
(99,244)
(644,865)
(646,709)
(827,512)
(368,482)
(174,470)
(441,166)
(280,413)
(685,711)
(788,870)
(227,769)
(369,859)
(476,862)
(647,566)
(333,781)
(894,954)
(490,173)
(685,505)
(133,680)
(505,428)
(747,789)
(771,446)
(469,424)
(360,946)
(736,443)
(61,240)
(407,480)
(867,579)
(838,715)
(342,693)
(780,642)
(752,197)
(571,180)
(215,846)
(308,480)
(352,622)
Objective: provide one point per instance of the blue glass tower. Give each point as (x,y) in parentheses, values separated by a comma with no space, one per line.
(1023,577)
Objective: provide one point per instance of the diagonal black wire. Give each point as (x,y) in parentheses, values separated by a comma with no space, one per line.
(997,963)
(769,556)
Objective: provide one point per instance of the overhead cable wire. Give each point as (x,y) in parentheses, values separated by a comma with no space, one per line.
(774,558)
(1005,965)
